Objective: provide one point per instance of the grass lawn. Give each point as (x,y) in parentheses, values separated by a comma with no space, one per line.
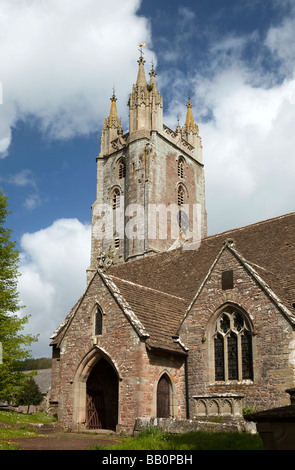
(155,440)
(14,424)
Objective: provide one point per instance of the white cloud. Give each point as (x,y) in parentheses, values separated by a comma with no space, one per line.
(32,201)
(248,151)
(53,276)
(246,115)
(22,178)
(280,39)
(60,58)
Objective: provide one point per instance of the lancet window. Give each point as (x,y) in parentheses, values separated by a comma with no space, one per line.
(180,167)
(121,169)
(116,198)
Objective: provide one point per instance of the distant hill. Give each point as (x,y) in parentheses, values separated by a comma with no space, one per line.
(35,364)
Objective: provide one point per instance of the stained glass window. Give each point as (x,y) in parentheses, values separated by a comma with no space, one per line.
(232,350)
(219,358)
(232,347)
(246,340)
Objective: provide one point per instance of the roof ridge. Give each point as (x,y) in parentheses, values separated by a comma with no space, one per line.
(254,224)
(146,287)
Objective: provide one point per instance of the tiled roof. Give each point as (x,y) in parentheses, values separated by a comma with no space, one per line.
(159,312)
(268,246)
(42,379)
(158,289)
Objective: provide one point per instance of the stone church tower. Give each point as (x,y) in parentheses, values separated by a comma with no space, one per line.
(150,180)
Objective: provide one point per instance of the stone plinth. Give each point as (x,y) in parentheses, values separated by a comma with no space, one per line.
(277,426)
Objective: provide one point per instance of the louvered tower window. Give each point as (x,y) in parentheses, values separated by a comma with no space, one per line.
(121,169)
(180,167)
(180,196)
(116,198)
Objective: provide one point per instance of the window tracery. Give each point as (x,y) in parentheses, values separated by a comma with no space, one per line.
(232,347)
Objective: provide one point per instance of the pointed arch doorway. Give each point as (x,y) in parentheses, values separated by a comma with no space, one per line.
(102,397)
(163,397)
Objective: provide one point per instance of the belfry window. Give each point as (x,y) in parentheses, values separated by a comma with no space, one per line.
(121,169)
(116,241)
(180,196)
(180,167)
(116,198)
(232,347)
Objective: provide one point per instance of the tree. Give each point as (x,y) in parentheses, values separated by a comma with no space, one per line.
(11,323)
(29,394)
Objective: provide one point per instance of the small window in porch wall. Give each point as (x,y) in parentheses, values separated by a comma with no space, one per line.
(98,322)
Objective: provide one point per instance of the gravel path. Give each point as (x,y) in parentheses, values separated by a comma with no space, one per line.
(61,442)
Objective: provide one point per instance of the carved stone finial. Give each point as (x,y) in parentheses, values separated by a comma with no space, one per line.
(105,260)
(229,242)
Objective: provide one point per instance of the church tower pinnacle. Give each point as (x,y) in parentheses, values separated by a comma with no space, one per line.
(141,79)
(145,104)
(112,127)
(190,130)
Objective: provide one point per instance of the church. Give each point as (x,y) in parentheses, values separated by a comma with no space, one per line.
(173,323)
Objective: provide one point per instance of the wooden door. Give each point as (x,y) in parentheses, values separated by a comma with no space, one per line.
(95,411)
(163,398)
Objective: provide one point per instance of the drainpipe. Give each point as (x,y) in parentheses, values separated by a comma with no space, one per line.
(186,389)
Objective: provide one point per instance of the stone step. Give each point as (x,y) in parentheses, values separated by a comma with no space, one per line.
(46,428)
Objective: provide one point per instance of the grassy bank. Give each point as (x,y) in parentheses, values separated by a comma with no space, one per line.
(154,440)
(14,424)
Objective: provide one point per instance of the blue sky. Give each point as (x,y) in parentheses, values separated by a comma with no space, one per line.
(60,60)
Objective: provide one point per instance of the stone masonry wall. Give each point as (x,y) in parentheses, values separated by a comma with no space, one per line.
(273,340)
(138,370)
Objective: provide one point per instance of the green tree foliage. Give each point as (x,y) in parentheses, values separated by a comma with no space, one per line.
(29,394)
(13,342)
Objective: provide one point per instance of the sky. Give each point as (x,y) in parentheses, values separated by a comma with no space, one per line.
(59,63)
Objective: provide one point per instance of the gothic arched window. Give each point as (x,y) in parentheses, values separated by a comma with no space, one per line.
(232,346)
(116,198)
(180,167)
(121,169)
(180,195)
(98,322)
